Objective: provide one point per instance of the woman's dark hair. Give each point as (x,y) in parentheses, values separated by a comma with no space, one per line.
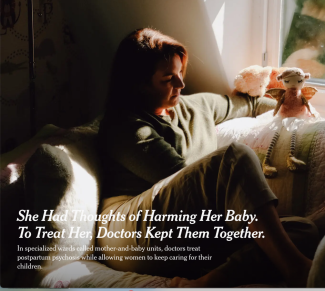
(135,62)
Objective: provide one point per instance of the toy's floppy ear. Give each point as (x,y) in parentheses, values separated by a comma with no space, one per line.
(307,76)
(308,92)
(276,93)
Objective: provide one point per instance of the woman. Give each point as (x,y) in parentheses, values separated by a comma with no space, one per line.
(150,132)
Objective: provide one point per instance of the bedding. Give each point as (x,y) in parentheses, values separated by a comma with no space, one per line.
(316,277)
(70,167)
(58,169)
(76,147)
(91,274)
(299,194)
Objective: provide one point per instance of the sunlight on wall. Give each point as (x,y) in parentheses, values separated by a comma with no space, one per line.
(218,27)
(232,25)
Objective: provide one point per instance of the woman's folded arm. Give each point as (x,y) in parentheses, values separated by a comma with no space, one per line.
(141,150)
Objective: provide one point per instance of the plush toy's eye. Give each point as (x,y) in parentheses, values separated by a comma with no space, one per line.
(286,81)
(300,81)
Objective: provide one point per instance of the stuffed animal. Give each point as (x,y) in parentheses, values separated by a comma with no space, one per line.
(292,102)
(255,80)
(274,82)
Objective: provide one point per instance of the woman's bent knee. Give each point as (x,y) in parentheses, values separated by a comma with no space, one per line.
(244,154)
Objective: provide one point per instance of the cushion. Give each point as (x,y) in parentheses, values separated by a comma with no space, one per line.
(316,278)
(56,180)
(91,274)
(65,179)
(299,193)
(62,175)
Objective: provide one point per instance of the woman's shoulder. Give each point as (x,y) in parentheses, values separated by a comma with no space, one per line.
(126,123)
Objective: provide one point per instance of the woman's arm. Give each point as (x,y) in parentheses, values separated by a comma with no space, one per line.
(140,149)
(225,107)
(264,104)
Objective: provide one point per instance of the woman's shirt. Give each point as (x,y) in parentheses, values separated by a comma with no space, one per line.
(139,148)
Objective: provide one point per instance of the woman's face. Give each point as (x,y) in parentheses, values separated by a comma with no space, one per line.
(166,85)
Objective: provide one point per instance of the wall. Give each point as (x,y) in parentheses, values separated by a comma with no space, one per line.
(101,25)
(240,31)
(74,51)
(60,86)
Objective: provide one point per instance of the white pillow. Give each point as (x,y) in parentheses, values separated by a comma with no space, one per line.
(298,193)
(64,178)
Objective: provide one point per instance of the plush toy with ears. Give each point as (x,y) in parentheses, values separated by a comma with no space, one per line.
(256,80)
(292,102)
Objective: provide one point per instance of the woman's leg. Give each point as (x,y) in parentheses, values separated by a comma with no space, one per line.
(228,179)
(241,186)
(275,243)
(292,264)
(250,264)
